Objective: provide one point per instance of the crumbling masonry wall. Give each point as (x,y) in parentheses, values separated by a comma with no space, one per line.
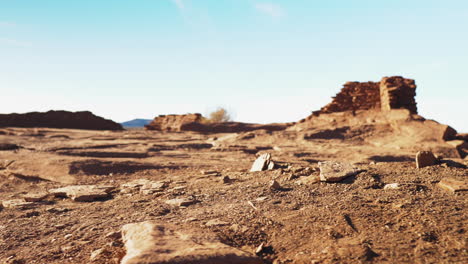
(355,96)
(390,93)
(397,92)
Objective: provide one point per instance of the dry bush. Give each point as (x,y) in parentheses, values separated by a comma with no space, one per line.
(219,115)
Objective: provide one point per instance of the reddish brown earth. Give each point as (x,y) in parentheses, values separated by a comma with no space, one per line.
(202,190)
(355,220)
(59,119)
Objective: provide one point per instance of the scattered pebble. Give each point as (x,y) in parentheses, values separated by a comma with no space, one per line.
(392,186)
(274,185)
(216,222)
(181,201)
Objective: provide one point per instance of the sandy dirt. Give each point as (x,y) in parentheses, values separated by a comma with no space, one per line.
(304,221)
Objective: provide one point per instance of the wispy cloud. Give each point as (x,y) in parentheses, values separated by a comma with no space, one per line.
(14,43)
(179,3)
(271,9)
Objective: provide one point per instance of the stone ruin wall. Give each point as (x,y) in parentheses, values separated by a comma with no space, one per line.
(397,92)
(355,96)
(390,93)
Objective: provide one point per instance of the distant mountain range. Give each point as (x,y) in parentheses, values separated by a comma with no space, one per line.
(136,122)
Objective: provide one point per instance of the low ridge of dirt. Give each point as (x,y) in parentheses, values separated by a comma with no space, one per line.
(356,220)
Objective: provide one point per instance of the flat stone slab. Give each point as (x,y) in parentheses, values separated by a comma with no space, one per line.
(424,159)
(35,197)
(333,171)
(83,193)
(453,185)
(156,243)
(144,186)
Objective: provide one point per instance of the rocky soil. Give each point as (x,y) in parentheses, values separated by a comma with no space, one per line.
(68,194)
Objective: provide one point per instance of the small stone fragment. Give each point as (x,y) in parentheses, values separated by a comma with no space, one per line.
(153,187)
(114,235)
(55,210)
(274,185)
(392,186)
(8,146)
(333,171)
(226,179)
(143,186)
(424,159)
(216,222)
(259,249)
(210,172)
(270,165)
(83,193)
(261,198)
(307,180)
(181,202)
(5,163)
(453,185)
(18,204)
(96,254)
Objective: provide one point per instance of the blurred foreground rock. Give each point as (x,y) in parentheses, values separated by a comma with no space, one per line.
(453,185)
(155,243)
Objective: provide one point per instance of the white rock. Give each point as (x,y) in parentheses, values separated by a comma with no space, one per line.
(96,254)
(262,163)
(392,186)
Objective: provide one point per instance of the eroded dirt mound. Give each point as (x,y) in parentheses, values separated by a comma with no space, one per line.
(59,119)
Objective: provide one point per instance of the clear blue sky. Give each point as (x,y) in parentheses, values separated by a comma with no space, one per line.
(266,61)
